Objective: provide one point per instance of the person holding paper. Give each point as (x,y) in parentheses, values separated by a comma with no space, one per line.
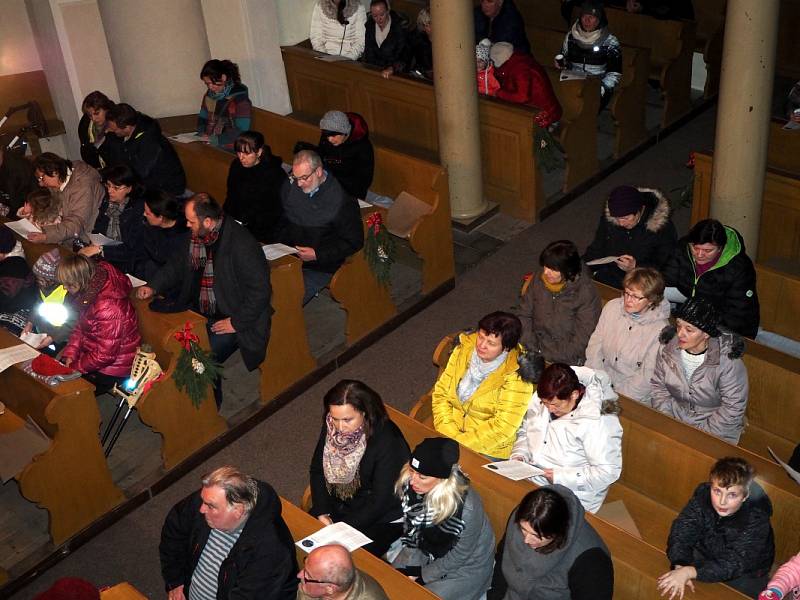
(51,315)
(338,27)
(572,432)
(356,463)
(636,227)
(447,543)
(551,552)
(481,396)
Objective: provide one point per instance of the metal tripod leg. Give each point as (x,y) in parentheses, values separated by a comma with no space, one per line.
(118,431)
(112,421)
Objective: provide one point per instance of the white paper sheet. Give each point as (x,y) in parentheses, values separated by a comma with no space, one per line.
(33,339)
(135,281)
(16,354)
(98,239)
(792,473)
(514,469)
(791,125)
(569,75)
(22,227)
(275,251)
(338,533)
(363,204)
(673,294)
(602,261)
(187,138)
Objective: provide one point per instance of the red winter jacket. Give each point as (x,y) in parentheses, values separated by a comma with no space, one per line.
(524,81)
(106,335)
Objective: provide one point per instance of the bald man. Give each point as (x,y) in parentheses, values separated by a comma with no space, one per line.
(329,573)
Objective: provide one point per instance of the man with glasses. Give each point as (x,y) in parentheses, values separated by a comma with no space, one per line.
(320,220)
(329,573)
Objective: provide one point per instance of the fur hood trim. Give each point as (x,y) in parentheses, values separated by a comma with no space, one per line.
(531,365)
(328,8)
(610,407)
(729,341)
(660,210)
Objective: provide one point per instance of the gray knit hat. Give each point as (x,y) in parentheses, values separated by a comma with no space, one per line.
(482,50)
(335,121)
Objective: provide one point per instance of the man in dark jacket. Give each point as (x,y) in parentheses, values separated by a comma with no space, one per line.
(636,227)
(385,40)
(228,541)
(16,179)
(500,21)
(223,275)
(320,219)
(140,144)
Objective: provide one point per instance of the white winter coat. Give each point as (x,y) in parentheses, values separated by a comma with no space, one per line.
(626,348)
(584,447)
(329,36)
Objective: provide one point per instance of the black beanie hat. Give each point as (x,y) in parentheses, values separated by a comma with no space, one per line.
(592,7)
(7,240)
(435,457)
(625,200)
(700,313)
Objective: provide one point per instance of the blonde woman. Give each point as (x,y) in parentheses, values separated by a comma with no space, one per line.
(447,543)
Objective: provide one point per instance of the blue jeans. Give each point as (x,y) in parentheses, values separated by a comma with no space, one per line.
(315,282)
(222,347)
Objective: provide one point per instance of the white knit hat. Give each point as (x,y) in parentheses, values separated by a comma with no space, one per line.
(501,52)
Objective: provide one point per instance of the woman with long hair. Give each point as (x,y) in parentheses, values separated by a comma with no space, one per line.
(225,109)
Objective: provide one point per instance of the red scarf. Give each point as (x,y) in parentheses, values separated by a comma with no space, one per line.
(202,257)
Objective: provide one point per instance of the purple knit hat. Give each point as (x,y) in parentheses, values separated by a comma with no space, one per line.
(625,200)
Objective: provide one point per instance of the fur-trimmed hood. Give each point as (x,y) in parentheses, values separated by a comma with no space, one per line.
(329,9)
(657,210)
(731,344)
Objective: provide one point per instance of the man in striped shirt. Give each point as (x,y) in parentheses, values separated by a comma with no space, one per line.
(228,540)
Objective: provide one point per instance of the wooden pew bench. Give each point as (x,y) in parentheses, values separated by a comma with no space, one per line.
(394,583)
(71,479)
(783,151)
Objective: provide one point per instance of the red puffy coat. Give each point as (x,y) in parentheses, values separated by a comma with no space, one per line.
(524,81)
(106,335)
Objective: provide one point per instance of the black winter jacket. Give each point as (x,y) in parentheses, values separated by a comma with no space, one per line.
(260,566)
(254,195)
(420,53)
(16,181)
(507,26)
(723,548)
(730,284)
(650,242)
(89,154)
(162,243)
(129,256)
(353,161)
(394,50)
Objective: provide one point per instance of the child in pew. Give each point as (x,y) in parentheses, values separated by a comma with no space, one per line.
(49,315)
(785,581)
(723,534)
(487,82)
(42,207)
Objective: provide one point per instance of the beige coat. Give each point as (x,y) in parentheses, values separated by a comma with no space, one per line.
(626,348)
(80,200)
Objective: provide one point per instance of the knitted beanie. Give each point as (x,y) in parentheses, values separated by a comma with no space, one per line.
(44,269)
(625,200)
(7,240)
(335,121)
(435,457)
(701,313)
(500,53)
(482,50)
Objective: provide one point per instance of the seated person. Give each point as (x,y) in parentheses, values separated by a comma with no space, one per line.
(16,179)
(42,208)
(590,47)
(338,27)
(76,188)
(487,82)
(699,377)
(625,342)
(356,463)
(106,335)
(636,227)
(420,47)
(92,128)
(320,219)
(50,315)
(792,108)
(711,262)
(571,430)
(723,534)
(549,545)
(165,234)
(447,543)
(17,286)
(480,398)
(223,274)
(524,81)
(140,145)
(225,108)
(121,219)
(560,309)
(386,41)
(501,21)
(785,583)
(255,179)
(329,572)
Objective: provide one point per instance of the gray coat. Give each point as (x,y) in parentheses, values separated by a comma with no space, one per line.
(465,572)
(715,399)
(559,325)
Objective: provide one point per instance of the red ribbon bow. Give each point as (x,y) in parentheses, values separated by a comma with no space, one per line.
(690,162)
(186,337)
(374,221)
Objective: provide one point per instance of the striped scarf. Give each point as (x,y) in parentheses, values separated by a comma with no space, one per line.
(417,517)
(202,257)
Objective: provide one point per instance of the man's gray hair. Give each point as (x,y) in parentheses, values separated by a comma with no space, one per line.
(239,488)
(308,156)
(423,18)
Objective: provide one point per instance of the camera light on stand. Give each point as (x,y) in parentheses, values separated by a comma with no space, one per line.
(53,313)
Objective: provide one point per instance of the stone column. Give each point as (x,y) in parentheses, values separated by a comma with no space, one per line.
(745,96)
(158,49)
(457,105)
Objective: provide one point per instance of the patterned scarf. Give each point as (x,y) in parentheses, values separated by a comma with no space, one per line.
(202,257)
(477,371)
(417,517)
(341,458)
(113,212)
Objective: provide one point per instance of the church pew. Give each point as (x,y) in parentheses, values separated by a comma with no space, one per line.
(394,583)
(71,479)
(628,104)
(783,151)
(395,172)
(401,113)
(637,564)
(121,591)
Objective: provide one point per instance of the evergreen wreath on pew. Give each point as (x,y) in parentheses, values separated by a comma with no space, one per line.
(547,149)
(196,369)
(379,248)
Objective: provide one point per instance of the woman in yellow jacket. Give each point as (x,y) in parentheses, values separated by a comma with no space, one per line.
(481,397)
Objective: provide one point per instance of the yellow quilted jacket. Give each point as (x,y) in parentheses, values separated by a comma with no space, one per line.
(489,420)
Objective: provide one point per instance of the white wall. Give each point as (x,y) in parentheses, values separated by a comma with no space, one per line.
(18,53)
(294,19)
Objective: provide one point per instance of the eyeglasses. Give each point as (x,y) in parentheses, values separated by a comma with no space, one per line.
(39,178)
(627,294)
(551,401)
(317,581)
(303,178)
